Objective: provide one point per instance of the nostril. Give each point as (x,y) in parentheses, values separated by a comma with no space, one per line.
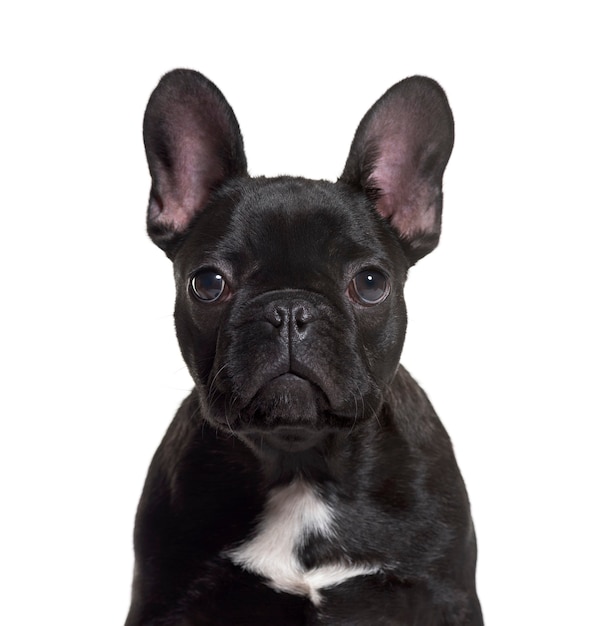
(301,315)
(276,315)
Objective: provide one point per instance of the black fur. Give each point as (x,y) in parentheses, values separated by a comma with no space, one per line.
(297,373)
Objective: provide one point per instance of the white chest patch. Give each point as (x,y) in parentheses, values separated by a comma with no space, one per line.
(291,514)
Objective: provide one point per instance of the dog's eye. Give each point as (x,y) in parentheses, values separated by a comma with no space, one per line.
(369,287)
(208,285)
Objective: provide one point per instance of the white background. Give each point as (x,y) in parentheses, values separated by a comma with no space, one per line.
(500,315)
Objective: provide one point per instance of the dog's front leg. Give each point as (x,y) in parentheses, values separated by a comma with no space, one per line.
(383,601)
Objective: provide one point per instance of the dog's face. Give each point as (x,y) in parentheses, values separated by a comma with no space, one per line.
(290,311)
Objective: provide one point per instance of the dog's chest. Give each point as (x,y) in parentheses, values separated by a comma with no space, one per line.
(292,515)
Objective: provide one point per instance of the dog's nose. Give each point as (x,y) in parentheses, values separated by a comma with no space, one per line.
(292,317)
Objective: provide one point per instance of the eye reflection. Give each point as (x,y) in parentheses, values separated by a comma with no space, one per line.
(370,287)
(208,285)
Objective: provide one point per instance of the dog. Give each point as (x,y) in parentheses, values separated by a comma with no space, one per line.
(306,479)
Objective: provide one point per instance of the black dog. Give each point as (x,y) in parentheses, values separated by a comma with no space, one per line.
(306,479)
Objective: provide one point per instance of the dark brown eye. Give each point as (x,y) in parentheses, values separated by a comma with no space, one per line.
(369,287)
(208,285)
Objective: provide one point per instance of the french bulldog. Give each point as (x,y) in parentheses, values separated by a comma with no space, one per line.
(306,479)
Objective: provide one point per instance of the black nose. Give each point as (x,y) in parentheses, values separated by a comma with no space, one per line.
(292,317)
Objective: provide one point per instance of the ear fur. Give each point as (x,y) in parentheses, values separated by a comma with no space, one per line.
(398,157)
(193,145)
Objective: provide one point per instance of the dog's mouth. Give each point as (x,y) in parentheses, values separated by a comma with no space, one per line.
(290,410)
(286,400)
(289,384)
(287,412)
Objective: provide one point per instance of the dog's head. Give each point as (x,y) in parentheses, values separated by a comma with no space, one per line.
(290,311)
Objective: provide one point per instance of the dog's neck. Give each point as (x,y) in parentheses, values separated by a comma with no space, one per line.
(281,465)
(330,459)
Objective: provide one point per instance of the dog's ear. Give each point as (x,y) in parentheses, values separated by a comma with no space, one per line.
(193,145)
(398,157)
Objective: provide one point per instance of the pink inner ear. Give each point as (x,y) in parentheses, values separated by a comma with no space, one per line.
(195,175)
(178,213)
(407,202)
